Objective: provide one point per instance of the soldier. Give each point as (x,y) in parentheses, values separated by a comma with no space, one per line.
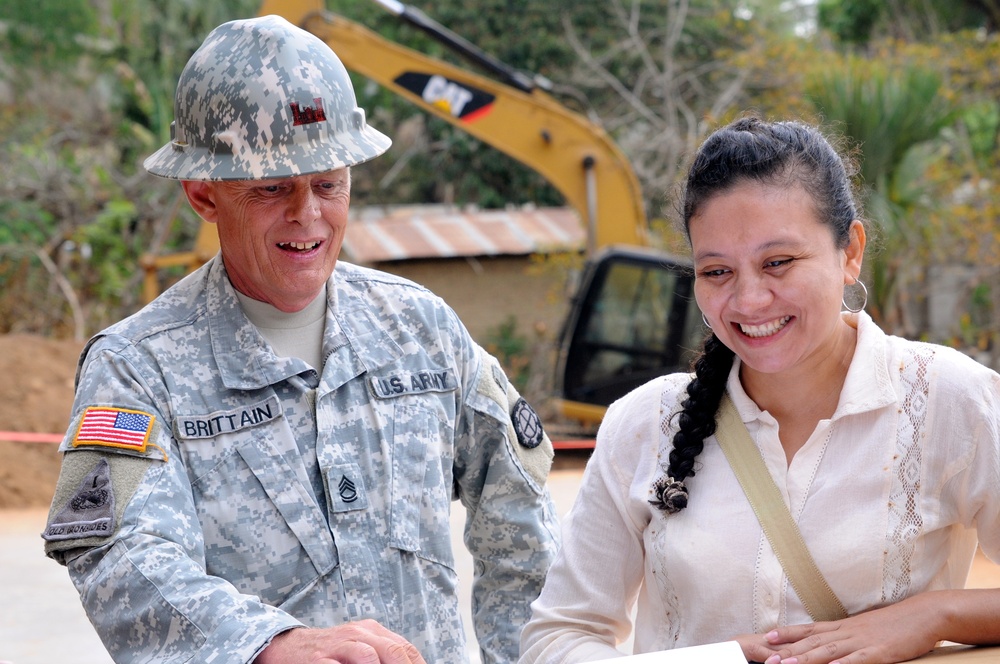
(261,463)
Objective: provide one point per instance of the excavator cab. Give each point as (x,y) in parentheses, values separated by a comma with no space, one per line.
(634,318)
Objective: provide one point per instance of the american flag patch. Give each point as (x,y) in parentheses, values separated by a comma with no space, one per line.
(114,427)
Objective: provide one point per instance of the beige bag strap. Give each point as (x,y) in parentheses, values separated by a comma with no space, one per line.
(779,527)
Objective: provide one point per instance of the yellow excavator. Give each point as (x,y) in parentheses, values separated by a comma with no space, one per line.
(633,316)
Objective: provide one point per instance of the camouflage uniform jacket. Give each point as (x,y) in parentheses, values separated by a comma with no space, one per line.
(213,494)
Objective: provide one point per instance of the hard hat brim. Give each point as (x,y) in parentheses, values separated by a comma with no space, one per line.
(177,161)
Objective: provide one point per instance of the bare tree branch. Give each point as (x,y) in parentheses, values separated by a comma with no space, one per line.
(610,79)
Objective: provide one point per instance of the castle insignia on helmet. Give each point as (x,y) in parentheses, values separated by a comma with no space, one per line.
(308,114)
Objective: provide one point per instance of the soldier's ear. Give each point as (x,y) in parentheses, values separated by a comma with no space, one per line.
(201,196)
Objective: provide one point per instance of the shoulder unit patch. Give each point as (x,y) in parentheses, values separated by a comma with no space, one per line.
(90,512)
(527,424)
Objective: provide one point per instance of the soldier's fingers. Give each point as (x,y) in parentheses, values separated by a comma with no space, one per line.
(355,643)
(374,650)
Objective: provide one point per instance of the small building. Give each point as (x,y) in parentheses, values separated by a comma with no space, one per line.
(484,263)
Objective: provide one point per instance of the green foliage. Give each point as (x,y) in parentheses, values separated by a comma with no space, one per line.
(852,21)
(523,34)
(891,115)
(886,110)
(46,33)
(982,126)
(24,223)
(156,39)
(448,165)
(512,349)
(964,180)
(112,249)
(472,172)
(90,94)
(858,22)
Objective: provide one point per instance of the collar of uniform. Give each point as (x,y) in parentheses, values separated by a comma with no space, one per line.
(868,385)
(357,341)
(244,358)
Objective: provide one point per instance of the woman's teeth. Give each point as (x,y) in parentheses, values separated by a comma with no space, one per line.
(765,330)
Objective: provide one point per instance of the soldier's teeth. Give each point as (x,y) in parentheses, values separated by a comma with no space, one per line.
(299,246)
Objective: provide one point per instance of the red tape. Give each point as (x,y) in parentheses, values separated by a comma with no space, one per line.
(27,437)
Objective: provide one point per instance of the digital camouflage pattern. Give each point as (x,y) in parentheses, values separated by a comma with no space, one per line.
(262,98)
(271,496)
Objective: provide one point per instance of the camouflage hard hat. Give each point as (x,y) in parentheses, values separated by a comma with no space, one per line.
(261,99)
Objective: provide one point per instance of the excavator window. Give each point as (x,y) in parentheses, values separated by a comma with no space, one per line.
(638,320)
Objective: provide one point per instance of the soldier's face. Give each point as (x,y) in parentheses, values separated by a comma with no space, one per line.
(280,238)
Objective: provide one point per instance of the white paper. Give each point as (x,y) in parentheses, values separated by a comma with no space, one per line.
(727,652)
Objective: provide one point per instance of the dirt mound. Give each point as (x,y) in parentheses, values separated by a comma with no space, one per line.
(36,395)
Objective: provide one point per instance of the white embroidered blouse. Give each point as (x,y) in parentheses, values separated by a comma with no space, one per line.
(890,495)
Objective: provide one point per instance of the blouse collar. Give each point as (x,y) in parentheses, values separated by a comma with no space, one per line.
(868,385)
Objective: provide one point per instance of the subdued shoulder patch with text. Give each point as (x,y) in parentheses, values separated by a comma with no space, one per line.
(105,426)
(93,490)
(90,510)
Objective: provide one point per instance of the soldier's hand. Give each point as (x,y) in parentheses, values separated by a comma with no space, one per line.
(362,642)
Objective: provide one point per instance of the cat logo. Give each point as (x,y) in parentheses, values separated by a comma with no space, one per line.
(458,99)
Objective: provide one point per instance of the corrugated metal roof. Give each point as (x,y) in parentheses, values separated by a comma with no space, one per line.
(376,234)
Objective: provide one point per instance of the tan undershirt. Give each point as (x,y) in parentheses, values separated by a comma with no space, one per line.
(297,334)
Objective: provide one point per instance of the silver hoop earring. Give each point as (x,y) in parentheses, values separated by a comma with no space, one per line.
(864,298)
(705,321)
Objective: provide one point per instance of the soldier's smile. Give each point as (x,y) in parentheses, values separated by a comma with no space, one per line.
(298,247)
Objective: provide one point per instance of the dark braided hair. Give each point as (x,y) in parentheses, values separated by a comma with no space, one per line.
(772,153)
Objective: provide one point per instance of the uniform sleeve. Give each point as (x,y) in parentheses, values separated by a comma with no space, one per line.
(502,461)
(585,607)
(123,521)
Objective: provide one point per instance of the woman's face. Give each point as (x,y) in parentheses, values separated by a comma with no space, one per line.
(769,276)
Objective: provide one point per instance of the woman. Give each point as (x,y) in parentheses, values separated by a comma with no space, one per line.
(886,451)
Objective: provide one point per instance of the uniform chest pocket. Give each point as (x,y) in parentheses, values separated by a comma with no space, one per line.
(262,530)
(421,480)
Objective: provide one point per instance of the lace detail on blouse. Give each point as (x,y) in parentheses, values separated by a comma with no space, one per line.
(905,519)
(669,627)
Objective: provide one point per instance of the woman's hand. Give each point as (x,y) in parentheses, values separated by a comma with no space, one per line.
(755,647)
(897,633)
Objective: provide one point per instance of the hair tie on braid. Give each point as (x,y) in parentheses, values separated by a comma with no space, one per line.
(670,495)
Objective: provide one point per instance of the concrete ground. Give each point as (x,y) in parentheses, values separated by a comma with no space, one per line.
(41,620)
